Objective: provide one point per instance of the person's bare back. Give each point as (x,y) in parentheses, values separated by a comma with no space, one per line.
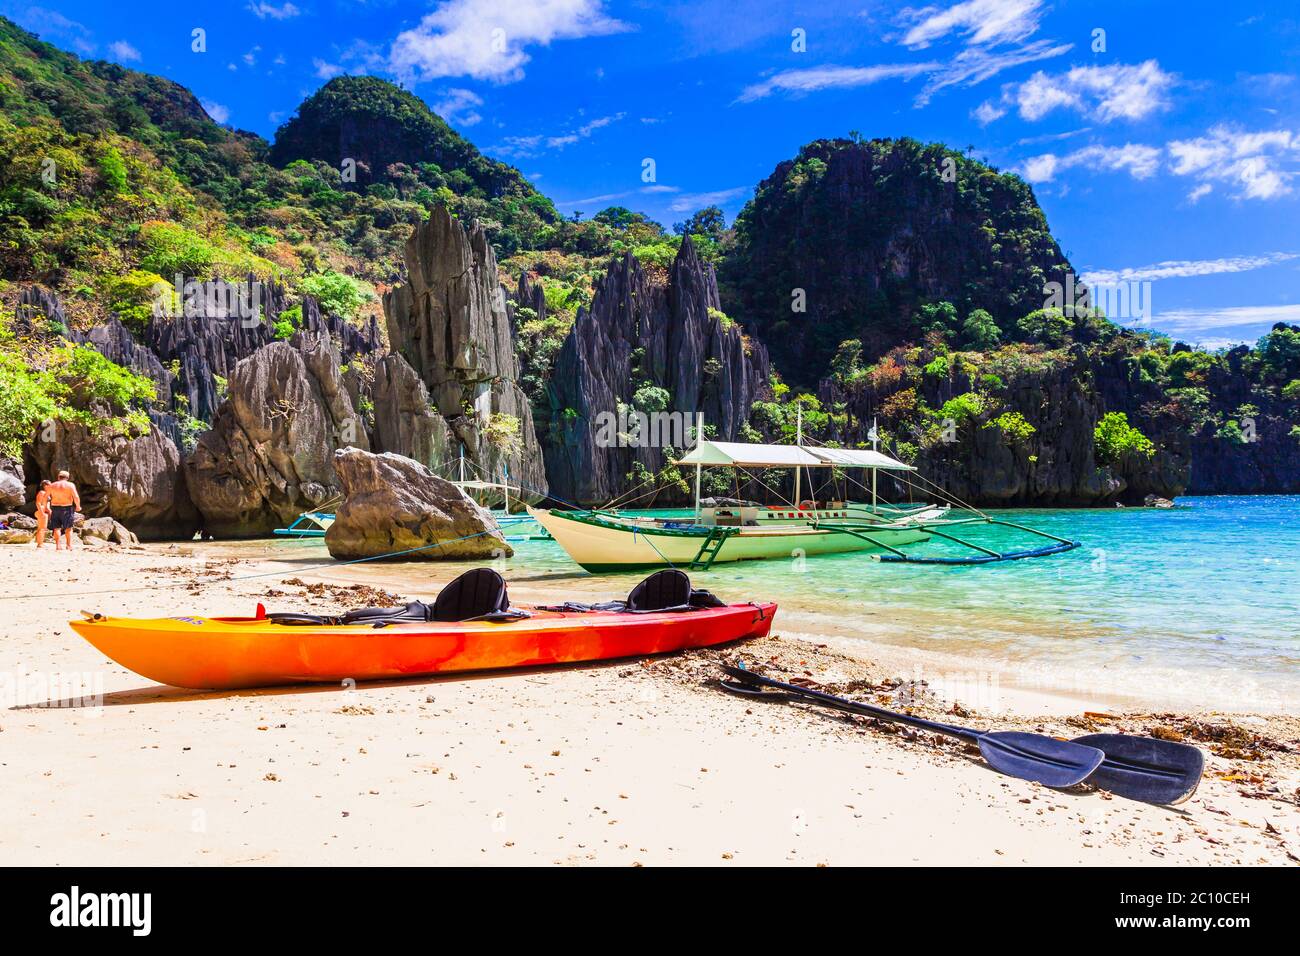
(63,493)
(64,505)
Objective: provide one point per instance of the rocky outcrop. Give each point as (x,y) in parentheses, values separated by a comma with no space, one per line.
(207,344)
(848,239)
(116,343)
(269,454)
(136,479)
(393,506)
(1062,398)
(645,331)
(1263,457)
(450,323)
(38,309)
(13,492)
(405,421)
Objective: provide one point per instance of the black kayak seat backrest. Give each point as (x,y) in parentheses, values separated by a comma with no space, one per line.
(664,589)
(473,594)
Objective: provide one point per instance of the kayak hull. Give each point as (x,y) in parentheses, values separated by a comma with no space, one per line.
(231,653)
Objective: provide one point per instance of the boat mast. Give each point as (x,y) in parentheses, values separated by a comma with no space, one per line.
(699,437)
(798,443)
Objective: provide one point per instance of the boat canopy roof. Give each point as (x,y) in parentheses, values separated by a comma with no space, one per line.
(746,455)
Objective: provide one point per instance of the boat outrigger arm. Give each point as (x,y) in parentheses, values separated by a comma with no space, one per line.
(933,520)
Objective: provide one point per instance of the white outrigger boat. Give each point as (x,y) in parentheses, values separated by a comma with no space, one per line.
(733,530)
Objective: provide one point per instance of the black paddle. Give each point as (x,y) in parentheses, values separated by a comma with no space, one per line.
(1051,762)
(1139,768)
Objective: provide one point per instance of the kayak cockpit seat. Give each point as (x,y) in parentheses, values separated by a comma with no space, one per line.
(666,590)
(662,590)
(477,595)
(472,596)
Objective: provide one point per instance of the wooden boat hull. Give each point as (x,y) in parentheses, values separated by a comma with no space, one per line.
(607,545)
(230,653)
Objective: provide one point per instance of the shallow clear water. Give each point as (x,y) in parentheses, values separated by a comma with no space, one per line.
(1196,605)
(1206,593)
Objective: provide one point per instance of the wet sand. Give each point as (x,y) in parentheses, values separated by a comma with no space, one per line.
(631,763)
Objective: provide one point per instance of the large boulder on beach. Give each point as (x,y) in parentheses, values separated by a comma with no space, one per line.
(393,504)
(106,529)
(13,491)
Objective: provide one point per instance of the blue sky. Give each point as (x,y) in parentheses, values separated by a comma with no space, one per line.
(1164,149)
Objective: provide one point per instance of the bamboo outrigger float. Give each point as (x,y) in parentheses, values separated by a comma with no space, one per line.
(735,530)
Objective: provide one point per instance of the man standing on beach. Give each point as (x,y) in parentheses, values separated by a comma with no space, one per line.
(64,505)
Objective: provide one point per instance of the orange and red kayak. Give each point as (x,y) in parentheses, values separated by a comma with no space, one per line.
(221,653)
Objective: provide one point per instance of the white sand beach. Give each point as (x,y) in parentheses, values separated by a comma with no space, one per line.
(632,763)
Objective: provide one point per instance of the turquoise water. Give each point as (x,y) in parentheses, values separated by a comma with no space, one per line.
(1200,600)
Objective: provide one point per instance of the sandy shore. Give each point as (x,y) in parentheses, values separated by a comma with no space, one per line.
(634,763)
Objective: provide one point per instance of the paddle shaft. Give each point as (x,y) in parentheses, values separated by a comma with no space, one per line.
(961,733)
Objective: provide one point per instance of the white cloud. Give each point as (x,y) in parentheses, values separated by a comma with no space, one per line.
(121,50)
(1259,164)
(1184,268)
(262,10)
(1103,93)
(976,64)
(986,113)
(219,113)
(689,202)
(1141,162)
(582,132)
(251,56)
(1248,322)
(610,197)
(830,77)
(459,106)
(525,147)
(487,39)
(985,22)
(325,70)
(49,23)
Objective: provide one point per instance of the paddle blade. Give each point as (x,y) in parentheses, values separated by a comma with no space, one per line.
(1146,768)
(1051,762)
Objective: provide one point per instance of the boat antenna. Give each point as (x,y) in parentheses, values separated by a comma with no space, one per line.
(699,437)
(798,443)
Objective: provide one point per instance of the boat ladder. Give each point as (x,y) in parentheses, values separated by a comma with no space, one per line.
(710,547)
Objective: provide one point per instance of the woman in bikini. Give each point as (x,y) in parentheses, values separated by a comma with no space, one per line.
(42,513)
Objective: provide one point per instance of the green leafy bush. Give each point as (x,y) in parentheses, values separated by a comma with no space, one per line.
(1048,326)
(1114,439)
(1014,426)
(170,248)
(336,293)
(650,399)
